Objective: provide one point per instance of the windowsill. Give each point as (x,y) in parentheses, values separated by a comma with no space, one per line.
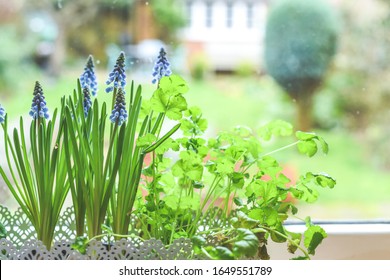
(346,227)
(347,240)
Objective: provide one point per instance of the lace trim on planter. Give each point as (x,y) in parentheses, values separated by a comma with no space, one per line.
(19,228)
(124,249)
(21,243)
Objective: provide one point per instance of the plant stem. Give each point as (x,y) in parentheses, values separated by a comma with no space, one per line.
(176,216)
(289,239)
(115,235)
(281,149)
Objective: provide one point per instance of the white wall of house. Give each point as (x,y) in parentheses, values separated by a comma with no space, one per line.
(229,31)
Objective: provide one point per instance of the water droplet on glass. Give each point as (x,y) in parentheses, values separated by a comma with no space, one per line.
(97,61)
(357,112)
(59,4)
(146,3)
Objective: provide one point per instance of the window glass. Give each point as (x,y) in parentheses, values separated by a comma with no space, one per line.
(220,48)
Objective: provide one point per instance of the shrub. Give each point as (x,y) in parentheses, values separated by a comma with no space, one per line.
(199,66)
(245,69)
(300,42)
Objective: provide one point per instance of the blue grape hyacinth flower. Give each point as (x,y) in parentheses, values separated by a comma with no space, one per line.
(117,77)
(87,101)
(2,114)
(161,67)
(119,113)
(38,106)
(88,78)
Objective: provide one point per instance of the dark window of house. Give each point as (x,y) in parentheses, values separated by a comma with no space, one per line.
(189,13)
(209,14)
(249,15)
(229,14)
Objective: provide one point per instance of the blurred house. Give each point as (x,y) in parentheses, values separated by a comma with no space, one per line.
(227,32)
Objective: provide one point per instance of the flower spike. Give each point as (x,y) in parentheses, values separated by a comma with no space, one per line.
(87,101)
(2,114)
(38,106)
(117,77)
(119,113)
(161,67)
(88,78)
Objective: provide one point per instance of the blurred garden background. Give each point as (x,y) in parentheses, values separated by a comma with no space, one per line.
(219,47)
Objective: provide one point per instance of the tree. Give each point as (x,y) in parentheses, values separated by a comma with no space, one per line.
(70,15)
(300,42)
(88,26)
(169,17)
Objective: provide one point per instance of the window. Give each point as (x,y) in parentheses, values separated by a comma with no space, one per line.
(351,108)
(249,15)
(209,14)
(229,14)
(189,13)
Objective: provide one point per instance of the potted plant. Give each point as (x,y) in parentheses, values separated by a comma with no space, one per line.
(225,195)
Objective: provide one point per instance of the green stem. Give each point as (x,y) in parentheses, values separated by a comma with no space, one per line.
(281,149)
(109,158)
(206,253)
(115,235)
(176,216)
(213,186)
(155,195)
(216,197)
(289,239)
(144,227)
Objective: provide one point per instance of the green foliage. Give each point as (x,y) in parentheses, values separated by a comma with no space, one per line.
(90,180)
(13,57)
(114,174)
(199,66)
(300,42)
(80,244)
(3,231)
(245,243)
(307,144)
(237,243)
(313,236)
(168,97)
(122,179)
(169,16)
(230,169)
(38,178)
(357,90)
(245,69)
(275,128)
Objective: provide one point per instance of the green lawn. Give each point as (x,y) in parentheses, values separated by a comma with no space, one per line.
(232,101)
(362,191)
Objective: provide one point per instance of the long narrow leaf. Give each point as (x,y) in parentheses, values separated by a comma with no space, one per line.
(162,139)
